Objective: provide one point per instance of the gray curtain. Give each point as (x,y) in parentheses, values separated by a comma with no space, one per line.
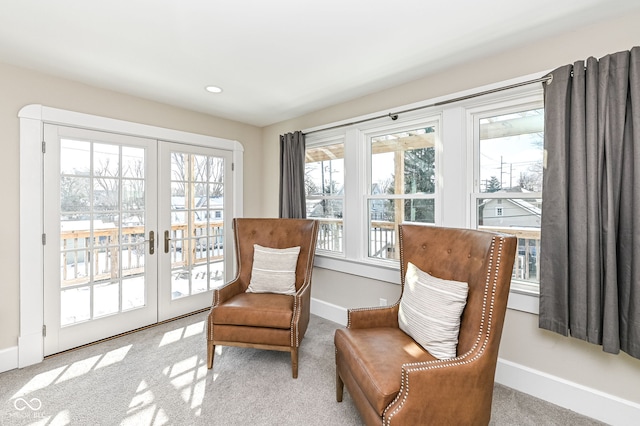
(292,194)
(590,237)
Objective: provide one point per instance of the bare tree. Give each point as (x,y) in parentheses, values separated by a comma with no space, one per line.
(532,179)
(189,168)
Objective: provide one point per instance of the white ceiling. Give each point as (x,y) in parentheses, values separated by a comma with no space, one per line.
(274,59)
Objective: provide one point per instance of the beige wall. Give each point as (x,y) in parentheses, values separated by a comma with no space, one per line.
(523,343)
(20,87)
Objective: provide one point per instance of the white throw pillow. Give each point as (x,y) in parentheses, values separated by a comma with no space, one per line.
(430,311)
(274,270)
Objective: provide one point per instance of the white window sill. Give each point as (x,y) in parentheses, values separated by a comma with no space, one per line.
(362,269)
(521,298)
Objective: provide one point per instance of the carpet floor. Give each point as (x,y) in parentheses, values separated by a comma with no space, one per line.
(158,376)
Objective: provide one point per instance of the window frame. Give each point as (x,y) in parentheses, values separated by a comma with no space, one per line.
(529,100)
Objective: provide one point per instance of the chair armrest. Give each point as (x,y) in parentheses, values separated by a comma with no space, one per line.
(304,293)
(385,316)
(302,300)
(301,313)
(452,379)
(226,292)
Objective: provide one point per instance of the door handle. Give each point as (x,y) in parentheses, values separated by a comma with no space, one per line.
(152,242)
(166,241)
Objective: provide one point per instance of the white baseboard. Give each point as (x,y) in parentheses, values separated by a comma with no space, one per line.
(329,311)
(8,359)
(564,393)
(30,350)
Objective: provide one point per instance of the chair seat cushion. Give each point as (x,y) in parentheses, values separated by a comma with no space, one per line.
(374,357)
(255,310)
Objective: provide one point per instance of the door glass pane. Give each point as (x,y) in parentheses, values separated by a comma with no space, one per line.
(133,196)
(132,293)
(106,194)
(106,299)
(197,233)
(106,160)
(75,305)
(102,233)
(75,157)
(133,162)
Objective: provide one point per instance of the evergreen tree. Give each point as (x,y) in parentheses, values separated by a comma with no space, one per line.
(419,177)
(493,185)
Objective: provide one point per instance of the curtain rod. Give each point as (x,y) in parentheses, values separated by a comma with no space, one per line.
(394,115)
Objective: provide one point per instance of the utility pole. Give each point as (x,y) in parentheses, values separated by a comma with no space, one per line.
(510,175)
(503,172)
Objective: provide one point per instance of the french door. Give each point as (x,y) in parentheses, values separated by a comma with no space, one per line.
(193,226)
(135,232)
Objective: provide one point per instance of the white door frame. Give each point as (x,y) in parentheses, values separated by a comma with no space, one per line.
(32,119)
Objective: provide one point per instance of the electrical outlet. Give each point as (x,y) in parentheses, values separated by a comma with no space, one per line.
(383,302)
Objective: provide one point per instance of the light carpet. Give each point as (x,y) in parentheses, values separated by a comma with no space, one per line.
(159,376)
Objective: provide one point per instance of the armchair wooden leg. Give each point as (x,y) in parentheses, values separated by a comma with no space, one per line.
(339,387)
(294,362)
(211,350)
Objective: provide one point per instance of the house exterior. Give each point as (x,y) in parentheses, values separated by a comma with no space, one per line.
(509,212)
(212,212)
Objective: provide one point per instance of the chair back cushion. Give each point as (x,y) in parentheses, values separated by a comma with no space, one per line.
(275,234)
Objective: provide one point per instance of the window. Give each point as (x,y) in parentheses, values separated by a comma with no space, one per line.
(508,190)
(324,186)
(401,185)
(475,163)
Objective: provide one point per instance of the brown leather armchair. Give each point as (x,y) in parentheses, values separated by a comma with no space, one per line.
(264,320)
(392,379)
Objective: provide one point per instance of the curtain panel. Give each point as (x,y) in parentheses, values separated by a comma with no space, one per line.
(292,191)
(590,232)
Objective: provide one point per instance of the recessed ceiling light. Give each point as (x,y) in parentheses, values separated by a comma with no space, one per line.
(213,89)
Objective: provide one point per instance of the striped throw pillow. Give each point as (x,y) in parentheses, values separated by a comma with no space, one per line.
(274,270)
(430,311)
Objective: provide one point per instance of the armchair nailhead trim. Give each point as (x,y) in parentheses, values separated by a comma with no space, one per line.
(294,321)
(295,331)
(492,281)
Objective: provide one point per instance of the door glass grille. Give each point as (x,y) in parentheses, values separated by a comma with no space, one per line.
(102,230)
(197,233)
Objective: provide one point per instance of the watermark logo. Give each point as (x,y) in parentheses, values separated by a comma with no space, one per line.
(25,408)
(21,404)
